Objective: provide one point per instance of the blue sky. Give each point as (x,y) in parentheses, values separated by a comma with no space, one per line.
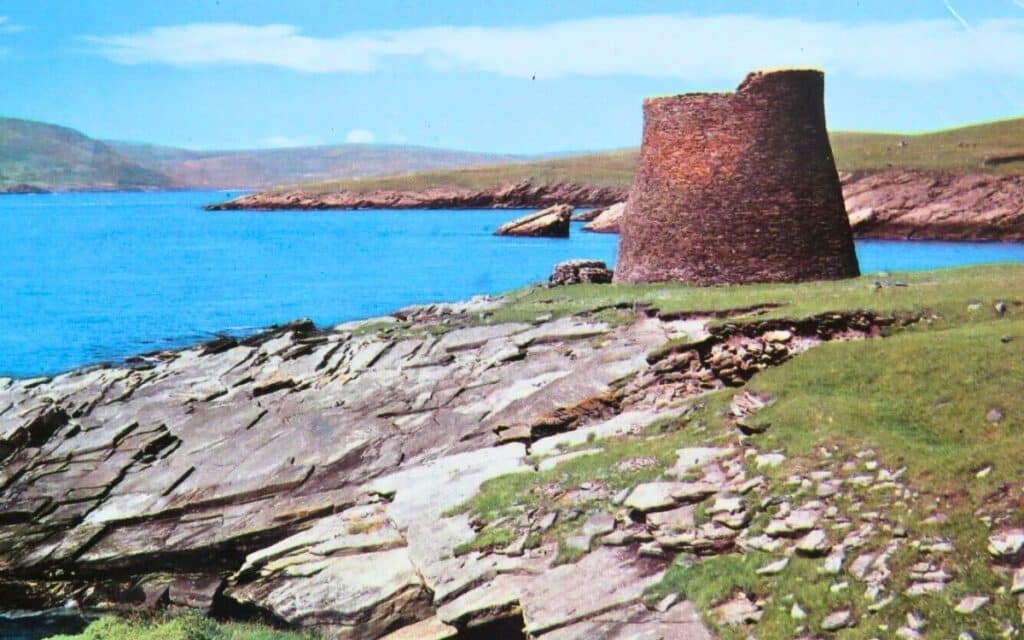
(520,77)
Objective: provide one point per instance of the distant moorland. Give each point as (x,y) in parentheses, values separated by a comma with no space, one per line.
(41,156)
(36,155)
(965,148)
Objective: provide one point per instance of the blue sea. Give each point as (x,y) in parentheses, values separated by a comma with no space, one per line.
(90,277)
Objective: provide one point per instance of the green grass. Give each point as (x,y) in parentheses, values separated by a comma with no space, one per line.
(943,293)
(53,157)
(920,396)
(183,627)
(962,148)
(610,169)
(917,397)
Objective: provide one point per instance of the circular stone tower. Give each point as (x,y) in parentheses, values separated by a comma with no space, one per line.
(737,187)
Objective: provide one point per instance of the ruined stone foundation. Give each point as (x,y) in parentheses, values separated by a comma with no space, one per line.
(737,187)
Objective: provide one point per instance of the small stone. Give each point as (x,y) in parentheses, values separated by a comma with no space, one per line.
(769,460)
(914,621)
(651,550)
(1018,582)
(778,336)
(924,588)
(906,633)
(834,562)
(773,568)
(984,472)
(970,604)
(838,620)
(839,586)
(547,521)
(599,524)
(578,543)
(666,603)
(881,604)
(737,611)
(964,636)
(814,543)
(652,496)
(796,612)
(1007,544)
(995,414)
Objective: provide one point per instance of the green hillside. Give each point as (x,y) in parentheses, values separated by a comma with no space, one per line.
(51,157)
(964,148)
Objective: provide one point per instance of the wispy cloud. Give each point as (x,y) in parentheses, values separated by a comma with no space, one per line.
(284,142)
(695,48)
(360,136)
(6,26)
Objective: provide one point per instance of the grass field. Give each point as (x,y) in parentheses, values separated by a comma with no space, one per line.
(917,399)
(964,148)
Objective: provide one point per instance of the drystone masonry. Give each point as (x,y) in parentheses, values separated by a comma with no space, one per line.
(737,187)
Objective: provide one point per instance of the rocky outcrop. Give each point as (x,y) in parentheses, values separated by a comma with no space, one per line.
(936,206)
(607,220)
(580,272)
(300,474)
(518,195)
(312,478)
(737,187)
(22,188)
(552,222)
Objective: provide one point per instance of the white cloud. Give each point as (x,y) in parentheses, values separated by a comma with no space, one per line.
(6,26)
(284,142)
(359,136)
(679,46)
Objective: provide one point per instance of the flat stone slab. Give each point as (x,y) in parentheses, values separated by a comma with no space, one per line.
(429,629)
(601,581)
(654,496)
(636,622)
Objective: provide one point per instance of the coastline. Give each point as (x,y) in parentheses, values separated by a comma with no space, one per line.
(125,489)
(883,205)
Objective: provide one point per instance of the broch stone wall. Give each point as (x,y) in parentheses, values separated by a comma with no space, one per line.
(737,187)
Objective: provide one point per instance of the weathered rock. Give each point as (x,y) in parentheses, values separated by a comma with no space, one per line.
(580,272)
(654,496)
(738,610)
(517,195)
(1006,545)
(838,620)
(429,629)
(603,580)
(607,220)
(552,222)
(970,604)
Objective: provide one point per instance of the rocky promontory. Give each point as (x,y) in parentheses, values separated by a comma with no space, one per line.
(894,205)
(518,195)
(921,205)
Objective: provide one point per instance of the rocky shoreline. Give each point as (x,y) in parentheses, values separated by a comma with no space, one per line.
(122,487)
(519,195)
(889,205)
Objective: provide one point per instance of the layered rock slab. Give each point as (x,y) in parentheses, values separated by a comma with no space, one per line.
(305,473)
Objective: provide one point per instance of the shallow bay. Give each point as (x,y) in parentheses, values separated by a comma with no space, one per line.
(92,277)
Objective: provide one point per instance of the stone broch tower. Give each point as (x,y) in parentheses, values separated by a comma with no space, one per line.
(737,187)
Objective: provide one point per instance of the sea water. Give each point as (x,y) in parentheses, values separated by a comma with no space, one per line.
(95,277)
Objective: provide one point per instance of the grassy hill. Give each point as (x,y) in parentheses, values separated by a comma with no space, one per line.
(263,168)
(37,155)
(57,158)
(964,148)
